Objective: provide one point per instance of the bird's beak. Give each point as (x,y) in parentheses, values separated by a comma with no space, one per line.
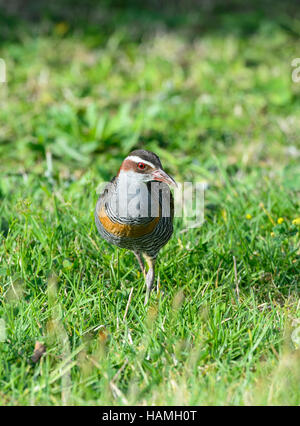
(161,176)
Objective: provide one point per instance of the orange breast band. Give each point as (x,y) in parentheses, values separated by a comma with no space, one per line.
(124,230)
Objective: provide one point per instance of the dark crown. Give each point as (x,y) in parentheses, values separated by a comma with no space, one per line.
(147,156)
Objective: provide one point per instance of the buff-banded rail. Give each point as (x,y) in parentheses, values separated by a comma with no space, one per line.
(135,210)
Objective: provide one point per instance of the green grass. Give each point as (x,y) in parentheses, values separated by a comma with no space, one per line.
(213,96)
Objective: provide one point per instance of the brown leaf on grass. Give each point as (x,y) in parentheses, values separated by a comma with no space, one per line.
(39,350)
(103,335)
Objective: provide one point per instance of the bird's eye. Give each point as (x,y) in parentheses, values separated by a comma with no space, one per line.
(141,166)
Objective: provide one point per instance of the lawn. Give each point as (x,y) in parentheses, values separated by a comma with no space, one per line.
(210,90)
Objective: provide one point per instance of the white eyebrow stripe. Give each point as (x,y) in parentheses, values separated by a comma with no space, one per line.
(137,159)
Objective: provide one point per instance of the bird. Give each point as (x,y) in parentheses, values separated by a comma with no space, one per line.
(135,211)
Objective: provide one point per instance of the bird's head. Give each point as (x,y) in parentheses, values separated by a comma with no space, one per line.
(144,166)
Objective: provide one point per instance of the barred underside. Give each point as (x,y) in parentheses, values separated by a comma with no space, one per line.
(149,243)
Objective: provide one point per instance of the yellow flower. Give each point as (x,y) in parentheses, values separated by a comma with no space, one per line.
(296,221)
(224,215)
(280,220)
(272,234)
(248,216)
(61,28)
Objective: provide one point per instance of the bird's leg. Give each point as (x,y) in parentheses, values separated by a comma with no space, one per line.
(140,260)
(149,277)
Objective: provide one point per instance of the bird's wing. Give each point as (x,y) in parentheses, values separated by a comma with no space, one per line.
(166,196)
(105,194)
(172,208)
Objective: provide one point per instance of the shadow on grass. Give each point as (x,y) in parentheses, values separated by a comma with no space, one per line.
(99,19)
